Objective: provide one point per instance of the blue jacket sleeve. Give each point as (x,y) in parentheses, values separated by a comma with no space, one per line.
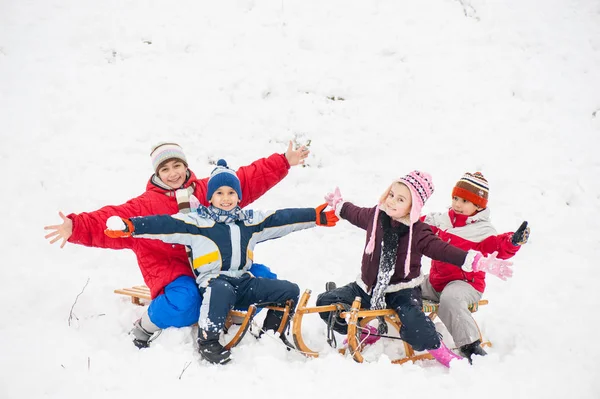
(176,229)
(275,224)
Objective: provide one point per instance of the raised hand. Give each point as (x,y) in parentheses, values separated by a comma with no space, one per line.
(334,198)
(521,236)
(491,264)
(60,231)
(118,227)
(326,219)
(297,156)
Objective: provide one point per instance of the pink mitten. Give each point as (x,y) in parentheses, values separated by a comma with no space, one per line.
(491,264)
(334,198)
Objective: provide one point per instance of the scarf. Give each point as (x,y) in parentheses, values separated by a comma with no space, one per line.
(387,260)
(184,197)
(221,216)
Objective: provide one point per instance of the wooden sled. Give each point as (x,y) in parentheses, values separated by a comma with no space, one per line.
(359,318)
(140,295)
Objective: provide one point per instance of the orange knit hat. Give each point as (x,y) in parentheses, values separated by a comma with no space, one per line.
(472,187)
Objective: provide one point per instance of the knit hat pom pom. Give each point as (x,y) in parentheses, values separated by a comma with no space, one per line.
(222,162)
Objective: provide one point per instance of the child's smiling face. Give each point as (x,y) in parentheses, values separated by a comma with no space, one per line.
(464,207)
(224,198)
(173,173)
(398,202)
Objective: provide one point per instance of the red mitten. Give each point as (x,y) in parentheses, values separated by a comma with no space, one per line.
(327,219)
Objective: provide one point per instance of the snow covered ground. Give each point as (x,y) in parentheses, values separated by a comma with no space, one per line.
(510,88)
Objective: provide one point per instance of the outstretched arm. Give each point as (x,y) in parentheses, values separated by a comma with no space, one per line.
(507,244)
(87,228)
(279,223)
(358,216)
(433,247)
(177,229)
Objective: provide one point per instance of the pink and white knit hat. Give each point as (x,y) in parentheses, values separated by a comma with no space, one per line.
(421,187)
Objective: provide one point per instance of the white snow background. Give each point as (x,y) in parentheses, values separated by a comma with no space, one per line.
(509,88)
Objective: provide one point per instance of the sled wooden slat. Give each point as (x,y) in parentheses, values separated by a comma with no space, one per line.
(358,318)
(136,293)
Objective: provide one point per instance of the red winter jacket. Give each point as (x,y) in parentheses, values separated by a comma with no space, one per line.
(161,263)
(466,232)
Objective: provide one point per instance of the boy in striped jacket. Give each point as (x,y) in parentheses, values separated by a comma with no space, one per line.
(222,238)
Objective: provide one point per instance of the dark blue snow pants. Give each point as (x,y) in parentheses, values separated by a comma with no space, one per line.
(417,329)
(225,293)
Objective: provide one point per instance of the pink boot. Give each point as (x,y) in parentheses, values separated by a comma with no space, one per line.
(444,355)
(366,336)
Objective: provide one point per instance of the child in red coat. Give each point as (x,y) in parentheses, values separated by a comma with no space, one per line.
(165,267)
(466,225)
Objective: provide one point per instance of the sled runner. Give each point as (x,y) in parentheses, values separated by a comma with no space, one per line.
(357,319)
(140,295)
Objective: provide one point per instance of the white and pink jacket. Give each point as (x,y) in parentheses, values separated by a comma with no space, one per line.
(466,232)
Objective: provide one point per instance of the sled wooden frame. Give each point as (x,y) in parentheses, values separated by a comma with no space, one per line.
(140,295)
(357,317)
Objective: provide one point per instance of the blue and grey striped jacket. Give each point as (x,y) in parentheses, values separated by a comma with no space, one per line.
(222,248)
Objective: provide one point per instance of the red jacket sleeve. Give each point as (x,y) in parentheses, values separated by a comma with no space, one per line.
(88,227)
(260,176)
(501,243)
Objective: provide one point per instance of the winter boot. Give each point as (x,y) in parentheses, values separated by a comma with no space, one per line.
(367,336)
(471,349)
(273,322)
(210,349)
(144,331)
(443,354)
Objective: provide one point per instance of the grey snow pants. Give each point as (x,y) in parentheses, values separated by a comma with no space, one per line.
(454,311)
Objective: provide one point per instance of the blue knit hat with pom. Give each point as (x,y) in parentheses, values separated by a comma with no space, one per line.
(223,176)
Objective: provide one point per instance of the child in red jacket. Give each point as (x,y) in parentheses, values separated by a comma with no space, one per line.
(165,267)
(466,225)
(391,274)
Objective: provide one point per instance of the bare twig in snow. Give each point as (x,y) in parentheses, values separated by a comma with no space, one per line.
(468,9)
(185,368)
(71,314)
